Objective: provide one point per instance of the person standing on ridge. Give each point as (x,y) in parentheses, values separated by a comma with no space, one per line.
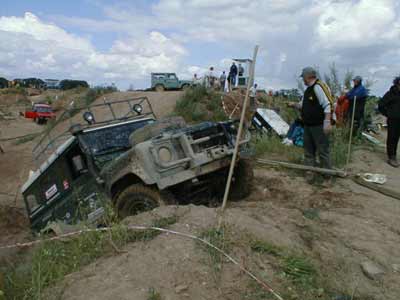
(389,106)
(232,74)
(316,111)
(222,80)
(240,70)
(360,93)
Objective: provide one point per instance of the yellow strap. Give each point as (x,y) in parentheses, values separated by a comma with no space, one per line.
(327,92)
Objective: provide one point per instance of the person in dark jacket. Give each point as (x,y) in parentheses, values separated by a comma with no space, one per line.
(360,93)
(316,114)
(389,106)
(232,74)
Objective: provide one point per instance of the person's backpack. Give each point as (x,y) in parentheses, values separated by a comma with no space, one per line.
(330,97)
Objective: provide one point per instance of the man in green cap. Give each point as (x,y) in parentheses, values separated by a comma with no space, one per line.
(316,111)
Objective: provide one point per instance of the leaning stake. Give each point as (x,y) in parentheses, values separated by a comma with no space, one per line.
(238,136)
(351,133)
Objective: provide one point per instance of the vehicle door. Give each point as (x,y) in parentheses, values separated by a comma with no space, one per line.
(30,113)
(171,81)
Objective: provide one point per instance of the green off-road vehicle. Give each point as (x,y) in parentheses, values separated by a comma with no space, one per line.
(168,81)
(131,161)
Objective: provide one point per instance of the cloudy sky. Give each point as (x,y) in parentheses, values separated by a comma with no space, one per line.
(122,41)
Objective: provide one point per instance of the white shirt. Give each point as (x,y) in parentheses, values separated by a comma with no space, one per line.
(253,92)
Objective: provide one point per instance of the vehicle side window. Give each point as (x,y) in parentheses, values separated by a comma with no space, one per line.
(32,202)
(76,162)
(78,165)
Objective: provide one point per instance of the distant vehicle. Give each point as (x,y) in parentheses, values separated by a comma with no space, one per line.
(132,162)
(168,81)
(40,113)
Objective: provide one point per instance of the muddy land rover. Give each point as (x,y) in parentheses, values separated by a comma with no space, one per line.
(133,161)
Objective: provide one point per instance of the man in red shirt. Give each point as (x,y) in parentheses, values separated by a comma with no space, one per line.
(341,110)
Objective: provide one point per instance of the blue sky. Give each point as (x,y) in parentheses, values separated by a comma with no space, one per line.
(123,41)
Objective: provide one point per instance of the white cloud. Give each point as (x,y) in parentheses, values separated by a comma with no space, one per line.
(348,24)
(31,47)
(188,36)
(39,31)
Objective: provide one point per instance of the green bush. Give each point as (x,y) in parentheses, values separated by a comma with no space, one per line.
(199,104)
(52,260)
(272,144)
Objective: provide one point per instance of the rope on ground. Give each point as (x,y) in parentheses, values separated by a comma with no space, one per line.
(168,231)
(21,136)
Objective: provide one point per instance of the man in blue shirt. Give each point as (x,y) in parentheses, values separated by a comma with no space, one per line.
(361,94)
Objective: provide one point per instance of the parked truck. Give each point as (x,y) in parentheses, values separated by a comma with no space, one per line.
(40,113)
(168,81)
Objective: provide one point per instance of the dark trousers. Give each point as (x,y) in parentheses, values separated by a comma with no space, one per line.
(358,114)
(316,142)
(393,136)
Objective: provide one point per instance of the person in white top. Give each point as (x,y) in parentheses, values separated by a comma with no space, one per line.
(253,95)
(210,78)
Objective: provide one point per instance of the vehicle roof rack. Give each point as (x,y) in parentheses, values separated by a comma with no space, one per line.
(115,112)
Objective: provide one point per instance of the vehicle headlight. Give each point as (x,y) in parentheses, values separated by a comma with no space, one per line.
(164,154)
(89,117)
(138,109)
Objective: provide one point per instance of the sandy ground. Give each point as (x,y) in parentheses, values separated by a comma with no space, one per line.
(353,225)
(17,160)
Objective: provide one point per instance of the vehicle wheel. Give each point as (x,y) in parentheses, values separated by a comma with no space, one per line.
(137,198)
(159,88)
(185,87)
(242,180)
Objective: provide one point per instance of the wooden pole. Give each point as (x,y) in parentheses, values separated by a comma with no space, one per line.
(238,137)
(351,132)
(331,172)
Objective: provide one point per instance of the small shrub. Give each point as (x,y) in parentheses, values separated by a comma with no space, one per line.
(53,260)
(265,248)
(199,104)
(299,269)
(272,144)
(153,295)
(217,238)
(339,146)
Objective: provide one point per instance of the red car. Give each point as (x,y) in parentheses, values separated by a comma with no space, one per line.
(40,113)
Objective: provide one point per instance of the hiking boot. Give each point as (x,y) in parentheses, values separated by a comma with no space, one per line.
(393,162)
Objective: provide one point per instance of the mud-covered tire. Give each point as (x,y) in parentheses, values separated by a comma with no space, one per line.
(159,88)
(242,181)
(137,198)
(185,87)
(155,129)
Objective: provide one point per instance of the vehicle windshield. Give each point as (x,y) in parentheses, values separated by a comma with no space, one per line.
(42,109)
(111,138)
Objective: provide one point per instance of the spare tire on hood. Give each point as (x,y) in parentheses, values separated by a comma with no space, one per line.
(155,129)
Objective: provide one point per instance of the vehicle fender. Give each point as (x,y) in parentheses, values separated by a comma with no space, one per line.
(125,168)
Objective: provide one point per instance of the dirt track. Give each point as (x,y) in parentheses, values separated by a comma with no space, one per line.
(16,162)
(349,225)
